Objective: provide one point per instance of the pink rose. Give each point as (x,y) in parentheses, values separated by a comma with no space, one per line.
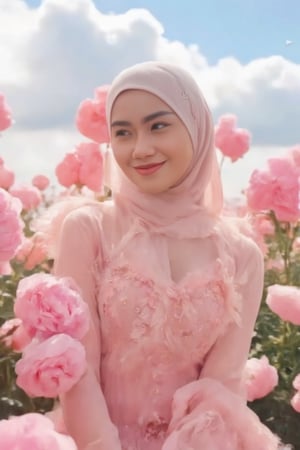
(233,142)
(296,382)
(5,114)
(91,117)
(295,402)
(55,306)
(83,167)
(51,367)
(41,182)
(32,251)
(294,155)
(67,171)
(260,378)
(11,225)
(91,165)
(32,431)
(30,196)
(285,302)
(14,334)
(7,177)
(276,189)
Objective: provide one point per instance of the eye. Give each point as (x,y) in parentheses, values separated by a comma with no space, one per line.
(159,125)
(121,133)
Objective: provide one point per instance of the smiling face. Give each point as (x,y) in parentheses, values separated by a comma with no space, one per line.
(150,143)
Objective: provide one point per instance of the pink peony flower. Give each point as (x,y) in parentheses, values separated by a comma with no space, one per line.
(285,302)
(91,117)
(82,167)
(5,114)
(91,165)
(67,171)
(5,268)
(276,189)
(55,306)
(14,334)
(51,367)
(295,402)
(32,252)
(41,182)
(296,382)
(233,142)
(11,225)
(32,431)
(260,378)
(30,196)
(7,177)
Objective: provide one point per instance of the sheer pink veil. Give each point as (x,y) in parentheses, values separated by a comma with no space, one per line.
(191,208)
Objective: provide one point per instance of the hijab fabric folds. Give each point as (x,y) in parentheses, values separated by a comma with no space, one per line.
(191,208)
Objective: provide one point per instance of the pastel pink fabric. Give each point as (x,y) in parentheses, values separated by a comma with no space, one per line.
(277,189)
(285,302)
(191,207)
(11,225)
(91,118)
(29,195)
(5,114)
(173,290)
(51,367)
(41,182)
(260,378)
(32,431)
(55,306)
(231,141)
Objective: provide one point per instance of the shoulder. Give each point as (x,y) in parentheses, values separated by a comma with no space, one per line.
(247,256)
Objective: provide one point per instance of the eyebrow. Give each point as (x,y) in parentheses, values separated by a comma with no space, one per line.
(155,115)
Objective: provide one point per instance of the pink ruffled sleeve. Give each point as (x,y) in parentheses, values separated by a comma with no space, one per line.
(84,408)
(211,413)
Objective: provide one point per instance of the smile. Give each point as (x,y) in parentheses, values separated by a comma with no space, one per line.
(149,169)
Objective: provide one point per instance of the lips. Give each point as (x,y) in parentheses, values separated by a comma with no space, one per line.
(149,169)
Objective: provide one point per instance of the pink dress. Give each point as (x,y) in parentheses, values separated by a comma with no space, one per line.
(169,338)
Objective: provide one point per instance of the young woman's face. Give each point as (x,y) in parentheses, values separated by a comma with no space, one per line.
(150,143)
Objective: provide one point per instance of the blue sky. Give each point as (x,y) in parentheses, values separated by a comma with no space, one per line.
(246,29)
(64,49)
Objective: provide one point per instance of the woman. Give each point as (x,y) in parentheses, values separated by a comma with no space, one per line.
(173,288)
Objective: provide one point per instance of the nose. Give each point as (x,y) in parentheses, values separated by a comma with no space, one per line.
(143,147)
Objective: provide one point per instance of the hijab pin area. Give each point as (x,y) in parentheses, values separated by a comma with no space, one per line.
(184,95)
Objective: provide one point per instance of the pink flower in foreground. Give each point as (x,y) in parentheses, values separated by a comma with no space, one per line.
(14,334)
(55,306)
(32,431)
(41,182)
(295,402)
(7,177)
(11,225)
(82,167)
(5,114)
(51,367)
(30,196)
(276,188)
(260,378)
(231,141)
(91,117)
(285,302)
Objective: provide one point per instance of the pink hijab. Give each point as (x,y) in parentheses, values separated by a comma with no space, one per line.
(191,208)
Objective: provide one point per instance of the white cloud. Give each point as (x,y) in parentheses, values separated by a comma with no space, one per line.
(54,56)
